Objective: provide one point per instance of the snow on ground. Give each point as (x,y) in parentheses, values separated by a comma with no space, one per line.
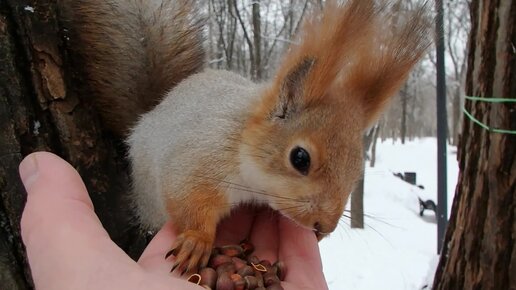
(397,249)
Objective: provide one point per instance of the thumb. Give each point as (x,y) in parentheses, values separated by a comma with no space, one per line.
(64,238)
(55,194)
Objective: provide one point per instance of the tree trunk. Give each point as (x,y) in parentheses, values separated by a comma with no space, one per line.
(357,197)
(456,113)
(479,249)
(257,34)
(357,205)
(236,13)
(372,162)
(404,100)
(41,108)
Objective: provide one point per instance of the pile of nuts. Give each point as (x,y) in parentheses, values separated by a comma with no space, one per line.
(234,268)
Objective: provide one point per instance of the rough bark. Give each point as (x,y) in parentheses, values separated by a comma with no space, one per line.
(479,249)
(43,108)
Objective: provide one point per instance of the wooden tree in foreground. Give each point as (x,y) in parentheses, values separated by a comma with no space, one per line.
(480,244)
(41,109)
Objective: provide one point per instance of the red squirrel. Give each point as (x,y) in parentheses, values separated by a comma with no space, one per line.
(203,141)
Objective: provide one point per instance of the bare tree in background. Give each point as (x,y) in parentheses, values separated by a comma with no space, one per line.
(376,134)
(250,37)
(357,196)
(404,98)
(457,29)
(257,36)
(412,113)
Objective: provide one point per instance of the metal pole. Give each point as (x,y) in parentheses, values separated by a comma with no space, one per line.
(442,128)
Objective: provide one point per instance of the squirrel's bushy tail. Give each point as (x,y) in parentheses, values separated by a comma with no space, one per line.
(134,51)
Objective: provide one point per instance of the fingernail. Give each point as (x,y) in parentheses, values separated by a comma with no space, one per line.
(29,170)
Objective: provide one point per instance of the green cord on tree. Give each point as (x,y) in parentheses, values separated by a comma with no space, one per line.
(489,100)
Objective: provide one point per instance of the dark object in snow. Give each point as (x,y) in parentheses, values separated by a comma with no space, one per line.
(409,177)
(428,204)
(399,175)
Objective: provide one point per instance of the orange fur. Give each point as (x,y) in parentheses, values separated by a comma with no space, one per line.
(196,216)
(328,90)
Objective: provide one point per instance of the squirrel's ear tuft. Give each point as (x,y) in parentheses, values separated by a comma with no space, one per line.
(291,89)
(377,73)
(359,52)
(325,45)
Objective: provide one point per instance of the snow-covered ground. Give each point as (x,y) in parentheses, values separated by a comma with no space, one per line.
(397,249)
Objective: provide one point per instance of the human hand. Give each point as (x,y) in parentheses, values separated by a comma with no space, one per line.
(68,248)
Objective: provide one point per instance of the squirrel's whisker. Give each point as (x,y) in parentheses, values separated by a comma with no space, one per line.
(250,190)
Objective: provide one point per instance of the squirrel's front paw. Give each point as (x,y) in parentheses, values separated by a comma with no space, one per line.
(192,251)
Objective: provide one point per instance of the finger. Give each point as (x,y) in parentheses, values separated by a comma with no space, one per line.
(59,227)
(264,235)
(153,257)
(44,173)
(55,194)
(299,250)
(236,227)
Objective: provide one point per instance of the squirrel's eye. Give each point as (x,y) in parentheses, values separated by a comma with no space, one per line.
(300,159)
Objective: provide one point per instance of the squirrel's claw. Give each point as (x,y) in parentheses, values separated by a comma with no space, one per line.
(170,253)
(174,266)
(192,251)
